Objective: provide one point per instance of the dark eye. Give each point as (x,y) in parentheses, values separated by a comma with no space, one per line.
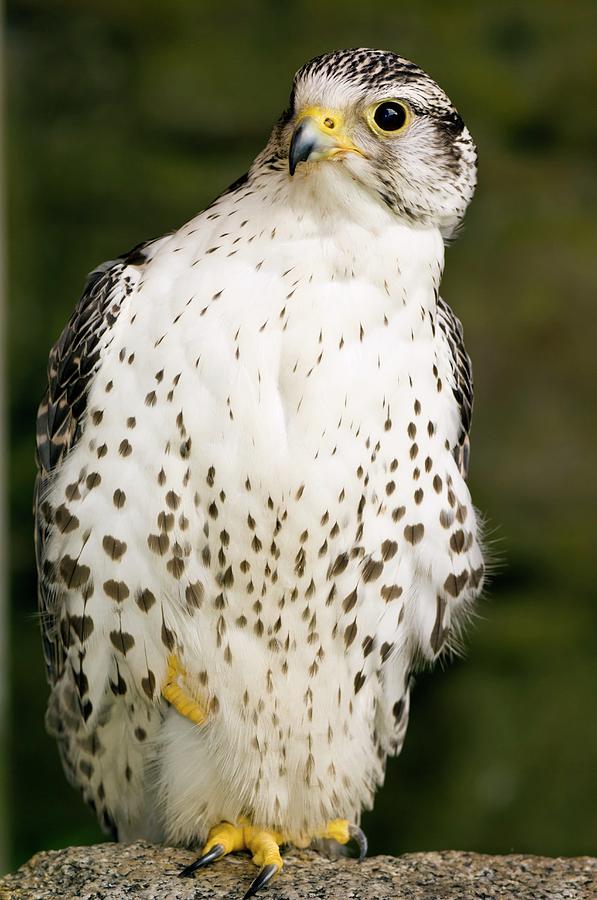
(390,116)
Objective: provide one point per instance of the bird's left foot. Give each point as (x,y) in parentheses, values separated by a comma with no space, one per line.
(343,832)
(264,845)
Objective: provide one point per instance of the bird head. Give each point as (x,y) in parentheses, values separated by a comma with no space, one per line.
(382,122)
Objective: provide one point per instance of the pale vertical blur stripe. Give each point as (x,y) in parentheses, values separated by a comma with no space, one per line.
(3,447)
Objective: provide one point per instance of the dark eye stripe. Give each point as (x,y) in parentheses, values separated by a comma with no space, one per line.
(453,123)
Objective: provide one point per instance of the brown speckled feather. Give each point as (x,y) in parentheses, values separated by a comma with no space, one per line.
(72,364)
(463,377)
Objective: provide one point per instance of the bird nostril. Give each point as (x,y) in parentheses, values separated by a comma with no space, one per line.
(329,123)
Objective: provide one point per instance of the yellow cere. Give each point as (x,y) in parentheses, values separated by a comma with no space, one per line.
(327,119)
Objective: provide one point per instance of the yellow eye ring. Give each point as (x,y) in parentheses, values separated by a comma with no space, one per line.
(389,118)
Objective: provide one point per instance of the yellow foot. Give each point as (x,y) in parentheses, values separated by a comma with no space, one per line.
(265,848)
(343,832)
(176,690)
(264,845)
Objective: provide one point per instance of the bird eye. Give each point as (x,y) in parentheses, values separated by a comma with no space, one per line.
(391,116)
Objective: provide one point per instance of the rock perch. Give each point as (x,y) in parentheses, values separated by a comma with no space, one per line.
(119,871)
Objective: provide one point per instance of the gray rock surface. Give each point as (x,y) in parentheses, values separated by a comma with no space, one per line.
(123,871)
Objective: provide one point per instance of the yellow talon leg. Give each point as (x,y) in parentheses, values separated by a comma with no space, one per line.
(226,837)
(337,830)
(265,847)
(176,692)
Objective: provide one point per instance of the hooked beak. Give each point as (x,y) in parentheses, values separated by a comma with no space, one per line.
(317,136)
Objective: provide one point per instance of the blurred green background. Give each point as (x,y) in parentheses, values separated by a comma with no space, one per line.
(128,116)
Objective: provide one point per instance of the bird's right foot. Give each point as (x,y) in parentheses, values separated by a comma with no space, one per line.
(263,844)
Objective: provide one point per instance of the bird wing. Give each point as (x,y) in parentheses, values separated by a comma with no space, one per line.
(74,360)
(461,378)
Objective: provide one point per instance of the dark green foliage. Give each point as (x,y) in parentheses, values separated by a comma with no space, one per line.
(126,117)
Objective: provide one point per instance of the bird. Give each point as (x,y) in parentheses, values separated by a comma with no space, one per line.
(252,518)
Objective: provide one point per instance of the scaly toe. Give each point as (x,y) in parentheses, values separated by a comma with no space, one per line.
(178,693)
(265,847)
(222,839)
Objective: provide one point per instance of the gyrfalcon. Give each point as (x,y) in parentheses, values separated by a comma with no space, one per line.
(252,517)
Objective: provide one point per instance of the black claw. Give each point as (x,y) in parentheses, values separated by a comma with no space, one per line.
(358,836)
(216,851)
(266,874)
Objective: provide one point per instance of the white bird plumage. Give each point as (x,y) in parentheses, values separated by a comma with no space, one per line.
(252,457)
